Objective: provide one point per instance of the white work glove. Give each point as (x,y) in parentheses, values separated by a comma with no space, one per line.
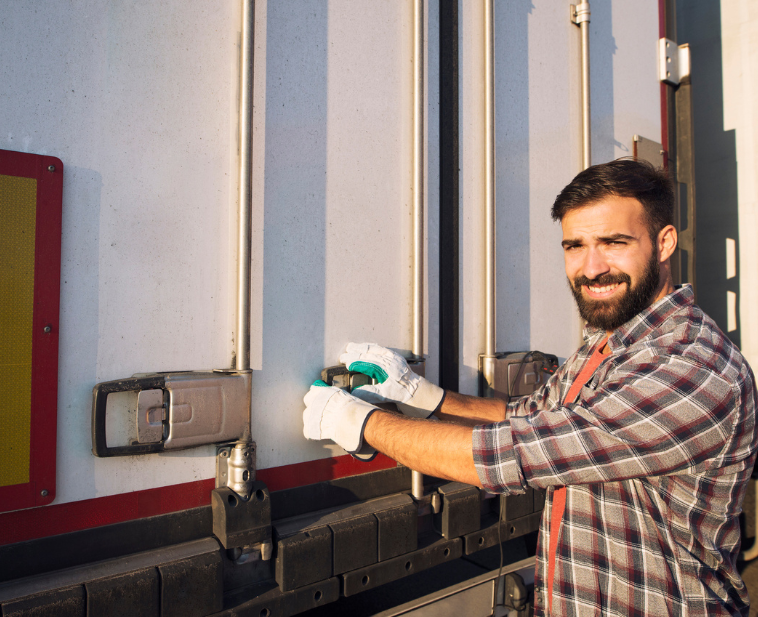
(332,413)
(415,396)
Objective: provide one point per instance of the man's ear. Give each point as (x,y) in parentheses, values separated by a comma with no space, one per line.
(666,242)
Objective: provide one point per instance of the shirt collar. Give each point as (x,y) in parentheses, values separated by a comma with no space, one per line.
(643,322)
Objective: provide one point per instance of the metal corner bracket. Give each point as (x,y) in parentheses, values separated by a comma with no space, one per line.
(673,62)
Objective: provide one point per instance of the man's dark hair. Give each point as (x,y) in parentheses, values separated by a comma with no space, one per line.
(624,177)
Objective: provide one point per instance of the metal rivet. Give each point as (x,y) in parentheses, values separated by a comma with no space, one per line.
(224,453)
(44,492)
(47,329)
(51,168)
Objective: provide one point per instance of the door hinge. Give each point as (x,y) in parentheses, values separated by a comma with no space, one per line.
(673,62)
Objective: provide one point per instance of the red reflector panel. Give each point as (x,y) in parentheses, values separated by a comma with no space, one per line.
(30,262)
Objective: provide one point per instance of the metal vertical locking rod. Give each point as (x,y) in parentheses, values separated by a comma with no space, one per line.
(244,448)
(243,526)
(245,198)
(580,15)
(417,479)
(488,364)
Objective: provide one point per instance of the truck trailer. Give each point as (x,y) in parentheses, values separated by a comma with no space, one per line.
(203,202)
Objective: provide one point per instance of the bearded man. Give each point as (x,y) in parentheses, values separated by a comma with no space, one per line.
(644,439)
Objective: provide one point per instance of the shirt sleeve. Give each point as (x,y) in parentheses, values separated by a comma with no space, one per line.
(659,417)
(546,397)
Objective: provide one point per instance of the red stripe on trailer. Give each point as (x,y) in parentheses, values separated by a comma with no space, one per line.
(664,126)
(664,89)
(22,525)
(300,474)
(56,519)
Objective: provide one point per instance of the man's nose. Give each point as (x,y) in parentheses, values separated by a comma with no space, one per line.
(595,264)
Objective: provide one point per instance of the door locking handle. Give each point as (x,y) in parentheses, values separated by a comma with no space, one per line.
(340,376)
(177,410)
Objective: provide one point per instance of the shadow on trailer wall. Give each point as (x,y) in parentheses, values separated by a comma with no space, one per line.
(719,271)
(698,23)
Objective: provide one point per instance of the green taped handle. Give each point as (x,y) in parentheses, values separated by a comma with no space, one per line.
(372,370)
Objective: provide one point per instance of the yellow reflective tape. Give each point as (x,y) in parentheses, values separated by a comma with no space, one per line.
(18,210)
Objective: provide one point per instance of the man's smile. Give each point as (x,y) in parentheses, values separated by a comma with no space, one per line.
(601,291)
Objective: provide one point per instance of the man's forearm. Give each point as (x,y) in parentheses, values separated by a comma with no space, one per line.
(434,448)
(471,410)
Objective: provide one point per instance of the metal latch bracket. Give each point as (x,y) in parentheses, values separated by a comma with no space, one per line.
(579,13)
(235,467)
(673,62)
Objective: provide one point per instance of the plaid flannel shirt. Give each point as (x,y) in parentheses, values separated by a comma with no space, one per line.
(655,454)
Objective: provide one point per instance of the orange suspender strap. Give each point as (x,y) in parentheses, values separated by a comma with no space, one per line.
(559,495)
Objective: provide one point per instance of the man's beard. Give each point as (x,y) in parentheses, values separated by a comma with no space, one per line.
(610,314)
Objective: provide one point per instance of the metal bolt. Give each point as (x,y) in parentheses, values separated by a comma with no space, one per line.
(224,453)
(266,550)
(51,168)
(47,329)
(44,492)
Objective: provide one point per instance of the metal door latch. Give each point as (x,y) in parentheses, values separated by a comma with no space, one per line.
(177,410)
(340,376)
(516,373)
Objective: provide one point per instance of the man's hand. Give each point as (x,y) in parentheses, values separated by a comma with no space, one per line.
(331,413)
(415,396)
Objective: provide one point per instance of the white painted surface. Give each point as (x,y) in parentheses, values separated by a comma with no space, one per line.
(739,39)
(731,311)
(471,186)
(139,100)
(538,141)
(336,202)
(731,258)
(625,88)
